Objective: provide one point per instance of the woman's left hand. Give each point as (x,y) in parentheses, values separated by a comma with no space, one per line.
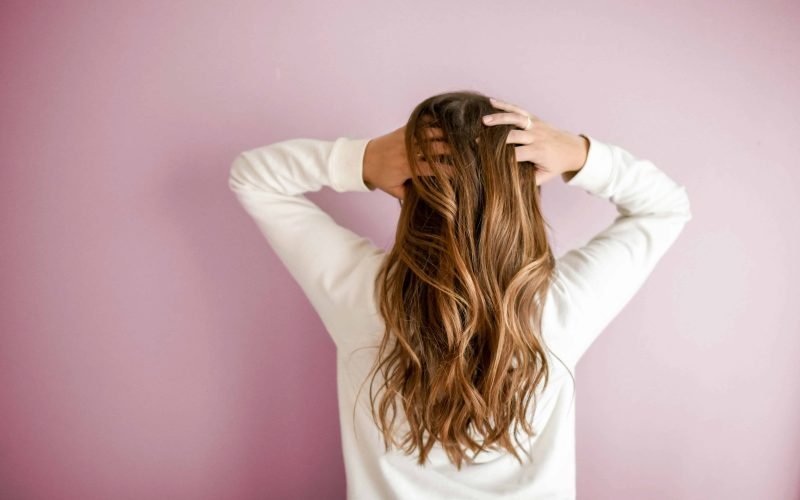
(386,164)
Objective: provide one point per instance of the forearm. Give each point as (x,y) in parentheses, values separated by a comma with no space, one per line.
(597,279)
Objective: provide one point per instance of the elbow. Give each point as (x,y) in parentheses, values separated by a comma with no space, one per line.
(675,205)
(237,173)
(684,205)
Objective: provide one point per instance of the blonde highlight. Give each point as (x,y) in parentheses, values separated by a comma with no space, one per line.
(462,290)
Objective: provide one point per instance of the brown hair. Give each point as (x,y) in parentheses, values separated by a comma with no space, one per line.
(462,289)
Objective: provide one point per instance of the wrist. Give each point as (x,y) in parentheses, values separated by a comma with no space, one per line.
(370,160)
(581,155)
(583,151)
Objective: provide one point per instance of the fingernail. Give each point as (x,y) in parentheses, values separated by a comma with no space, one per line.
(487,119)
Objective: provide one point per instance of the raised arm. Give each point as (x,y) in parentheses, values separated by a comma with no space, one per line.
(595,281)
(330,262)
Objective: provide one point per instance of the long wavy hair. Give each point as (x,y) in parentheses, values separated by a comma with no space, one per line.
(462,289)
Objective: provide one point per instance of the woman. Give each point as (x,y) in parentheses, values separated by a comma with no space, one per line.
(468,327)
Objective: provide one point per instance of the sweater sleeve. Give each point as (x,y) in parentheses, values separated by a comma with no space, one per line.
(331,263)
(593,282)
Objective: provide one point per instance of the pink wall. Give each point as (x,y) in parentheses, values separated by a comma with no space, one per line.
(152,346)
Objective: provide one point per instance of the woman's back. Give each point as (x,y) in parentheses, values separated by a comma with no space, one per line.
(373,473)
(336,268)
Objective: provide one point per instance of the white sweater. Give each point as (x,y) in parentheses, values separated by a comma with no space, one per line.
(335,268)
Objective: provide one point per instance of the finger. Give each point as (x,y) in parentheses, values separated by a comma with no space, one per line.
(513,108)
(440,148)
(507,106)
(525,153)
(437,147)
(427,169)
(433,132)
(507,118)
(516,136)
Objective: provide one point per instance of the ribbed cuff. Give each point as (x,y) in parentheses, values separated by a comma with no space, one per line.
(346,165)
(595,174)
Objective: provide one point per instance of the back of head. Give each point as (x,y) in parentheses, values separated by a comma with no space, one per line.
(462,289)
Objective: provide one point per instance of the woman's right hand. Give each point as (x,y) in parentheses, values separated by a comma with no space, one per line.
(553,151)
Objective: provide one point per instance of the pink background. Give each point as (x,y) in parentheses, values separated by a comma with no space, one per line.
(152,346)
